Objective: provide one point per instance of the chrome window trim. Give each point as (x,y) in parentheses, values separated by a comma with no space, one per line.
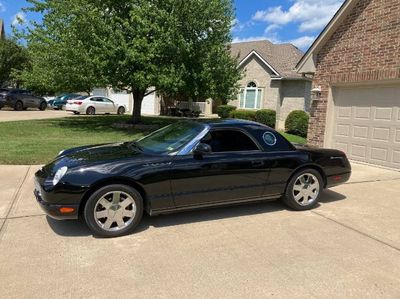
(188,148)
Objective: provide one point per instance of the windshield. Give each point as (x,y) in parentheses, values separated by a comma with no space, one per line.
(170,138)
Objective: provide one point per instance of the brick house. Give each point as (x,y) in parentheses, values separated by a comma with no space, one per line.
(270,80)
(355,66)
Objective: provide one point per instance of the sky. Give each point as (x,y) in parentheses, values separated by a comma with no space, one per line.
(295,21)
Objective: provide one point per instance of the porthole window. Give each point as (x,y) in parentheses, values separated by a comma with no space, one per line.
(269,138)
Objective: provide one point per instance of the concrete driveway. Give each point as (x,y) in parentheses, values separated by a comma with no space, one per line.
(11,115)
(347,247)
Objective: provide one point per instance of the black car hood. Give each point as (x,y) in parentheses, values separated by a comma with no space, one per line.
(93,155)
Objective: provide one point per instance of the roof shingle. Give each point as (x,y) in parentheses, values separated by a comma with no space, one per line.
(282,57)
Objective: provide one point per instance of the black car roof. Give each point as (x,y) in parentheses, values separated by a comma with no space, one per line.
(218,122)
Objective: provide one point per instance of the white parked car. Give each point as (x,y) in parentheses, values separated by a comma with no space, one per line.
(94,105)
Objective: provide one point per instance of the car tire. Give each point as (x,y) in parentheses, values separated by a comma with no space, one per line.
(90,111)
(121,206)
(19,106)
(303,190)
(121,111)
(42,106)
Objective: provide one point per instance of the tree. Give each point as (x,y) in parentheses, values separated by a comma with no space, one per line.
(179,47)
(13,59)
(63,58)
(208,70)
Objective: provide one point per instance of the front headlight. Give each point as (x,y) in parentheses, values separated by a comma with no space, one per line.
(59,174)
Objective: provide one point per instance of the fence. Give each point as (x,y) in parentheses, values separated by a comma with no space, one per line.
(194,106)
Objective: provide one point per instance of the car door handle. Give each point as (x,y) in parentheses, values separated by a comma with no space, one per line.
(257,163)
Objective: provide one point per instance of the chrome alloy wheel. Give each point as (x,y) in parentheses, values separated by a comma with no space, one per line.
(306,189)
(114,211)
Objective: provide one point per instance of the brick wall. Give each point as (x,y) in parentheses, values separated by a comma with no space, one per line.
(365,47)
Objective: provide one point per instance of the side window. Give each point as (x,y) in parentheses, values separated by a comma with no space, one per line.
(229,141)
(105,100)
(274,142)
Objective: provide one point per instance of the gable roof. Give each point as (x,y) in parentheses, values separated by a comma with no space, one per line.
(2,32)
(307,63)
(280,58)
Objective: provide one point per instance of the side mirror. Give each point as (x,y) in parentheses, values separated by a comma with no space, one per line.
(201,149)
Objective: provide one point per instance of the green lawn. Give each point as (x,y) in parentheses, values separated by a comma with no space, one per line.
(294,138)
(39,141)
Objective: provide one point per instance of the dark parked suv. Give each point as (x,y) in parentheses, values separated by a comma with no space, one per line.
(20,99)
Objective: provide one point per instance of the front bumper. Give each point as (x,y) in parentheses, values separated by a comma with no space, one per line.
(6,103)
(55,210)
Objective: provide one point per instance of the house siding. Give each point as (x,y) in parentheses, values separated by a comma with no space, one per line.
(281,96)
(365,47)
(255,70)
(296,95)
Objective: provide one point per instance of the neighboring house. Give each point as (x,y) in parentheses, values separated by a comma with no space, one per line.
(2,31)
(150,104)
(270,80)
(355,65)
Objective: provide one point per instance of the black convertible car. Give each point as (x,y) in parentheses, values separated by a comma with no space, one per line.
(186,165)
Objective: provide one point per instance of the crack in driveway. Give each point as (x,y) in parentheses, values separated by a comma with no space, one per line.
(15,196)
(372,181)
(357,231)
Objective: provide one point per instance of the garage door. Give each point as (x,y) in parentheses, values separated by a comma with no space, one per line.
(148,104)
(367,124)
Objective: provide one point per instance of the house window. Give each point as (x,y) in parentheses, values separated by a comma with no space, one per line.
(250,97)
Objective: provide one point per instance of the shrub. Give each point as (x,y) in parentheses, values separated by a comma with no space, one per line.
(297,123)
(266,117)
(243,114)
(223,111)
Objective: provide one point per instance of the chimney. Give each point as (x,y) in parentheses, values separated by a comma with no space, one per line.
(2,32)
